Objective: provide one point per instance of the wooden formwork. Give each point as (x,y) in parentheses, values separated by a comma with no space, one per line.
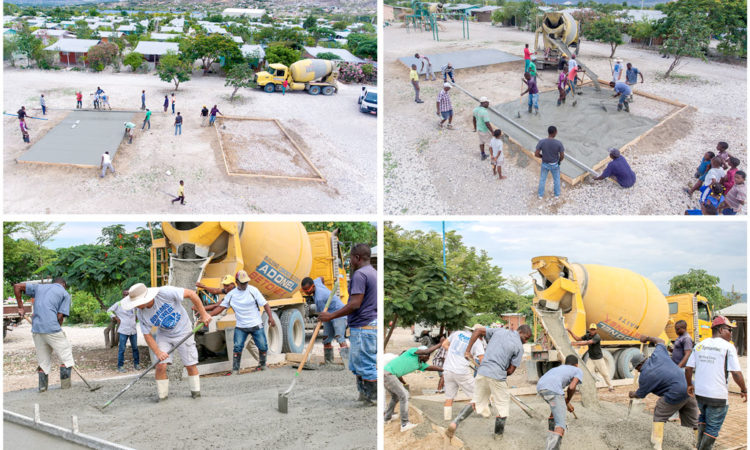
(296,147)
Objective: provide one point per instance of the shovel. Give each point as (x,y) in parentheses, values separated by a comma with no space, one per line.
(283,401)
(635,380)
(182,341)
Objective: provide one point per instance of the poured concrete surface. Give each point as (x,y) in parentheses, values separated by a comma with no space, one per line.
(233,412)
(81,139)
(463,60)
(19,436)
(586,130)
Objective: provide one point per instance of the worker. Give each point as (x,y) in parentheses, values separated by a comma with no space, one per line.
(162,308)
(166,102)
(214,112)
(481,121)
(551,387)
(129,127)
(659,375)
(596,357)
(106,164)
(334,329)
(683,346)
(562,62)
(24,131)
(572,64)
(246,301)
(105,101)
(43,104)
(503,355)
(147,119)
(571,81)
(362,312)
(227,284)
(79,100)
(527,58)
(617,71)
(180,193)
(447,72)
(552,153)
(22,114)
(173,102)
(426,66)
(623,91)
(533,90)
(410,361)
(143,99)
(619,169)
(178,124)
(127,332)
(204,116)
(532,67)
(51,307)
(712,360)
(456,368)
(632,74)
(414,78)
(562,82)
(444,106)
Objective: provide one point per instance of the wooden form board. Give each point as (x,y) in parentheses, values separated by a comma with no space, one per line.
(319,178)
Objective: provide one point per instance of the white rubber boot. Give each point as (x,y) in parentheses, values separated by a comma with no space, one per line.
(447,412)
(162,387)
(194,381)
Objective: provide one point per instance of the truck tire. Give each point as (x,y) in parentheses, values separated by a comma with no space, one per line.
(274,336)
(624,368)
(270,88)
(293,329)
(328,90)
(314,90)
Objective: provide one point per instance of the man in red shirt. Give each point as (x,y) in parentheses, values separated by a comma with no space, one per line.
(527,58)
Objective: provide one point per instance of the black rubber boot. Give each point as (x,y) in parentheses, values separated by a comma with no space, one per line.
(236,360)
(529,109)
(701,429)
(361,389)
(707,443)
(328,355)
(499,427)
(371,391)
(262,360)
(465,412)
(65,381)
(551,423)
(43,380)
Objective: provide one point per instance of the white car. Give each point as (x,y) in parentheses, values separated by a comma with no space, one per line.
(368,100)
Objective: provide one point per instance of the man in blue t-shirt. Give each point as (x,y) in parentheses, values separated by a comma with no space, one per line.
(551,388)
(619,169)
(623,91)
(362,312)
(51,307)
(659,375)
(336,328)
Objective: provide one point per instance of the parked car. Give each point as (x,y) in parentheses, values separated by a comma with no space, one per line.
(368,100)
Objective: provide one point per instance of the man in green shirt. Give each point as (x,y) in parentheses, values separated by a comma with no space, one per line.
(147,120)
(481,118)
(411,360)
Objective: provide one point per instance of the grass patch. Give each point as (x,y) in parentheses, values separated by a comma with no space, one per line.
(679,78)
(389,165)
(422,145)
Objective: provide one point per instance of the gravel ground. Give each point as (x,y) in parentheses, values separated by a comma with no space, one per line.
(344,149)
(429,171)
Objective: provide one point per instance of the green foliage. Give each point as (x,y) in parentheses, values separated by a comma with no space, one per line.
(350,233)
(485,319)
(725,19)
(363,45)
(101,318)
(310,22)
(41,232)
(83,308)
(702,281)
(173,69)
(93,12)
(519,285)
(28,44)
(9,48)
(21,257)
(240,76)
(606,30)
(82,31)
(339,26)
(209,48)
(643,30)
(327,55)
(266,19)
(102,55)
(287,37)
(134,60)
(689,37)
(10,9)
(282,54)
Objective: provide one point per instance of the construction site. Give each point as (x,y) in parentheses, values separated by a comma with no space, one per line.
(307,397)
(671,124)
(264,147)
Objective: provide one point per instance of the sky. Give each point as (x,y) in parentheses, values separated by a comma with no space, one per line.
(657,250)
(77,233)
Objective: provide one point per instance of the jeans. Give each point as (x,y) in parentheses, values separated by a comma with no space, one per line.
(363,355)
(44,109)
(557,406)
(713,417)
(124,338)
(446,74)
(399,394)
(172,108)
(146,121)
(177,127)
(336,328)
(728,212)
(106,166)
(555,169)
(259,336)
(79,104)
(211,120)
(623,99)
(534,100)
(143,103)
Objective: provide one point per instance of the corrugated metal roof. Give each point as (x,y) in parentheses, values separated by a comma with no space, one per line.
(156,48)
(344,54)
(73,45)
(738,309)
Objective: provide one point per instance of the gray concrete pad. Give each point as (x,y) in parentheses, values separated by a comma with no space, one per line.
(586,130)
(464,59)
(17,436)
(80,139)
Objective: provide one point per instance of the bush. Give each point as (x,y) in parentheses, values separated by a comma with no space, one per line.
(84,307)
(134,60)
(357,73)
(282,54)
(101,318)
(485,319)
(328,55)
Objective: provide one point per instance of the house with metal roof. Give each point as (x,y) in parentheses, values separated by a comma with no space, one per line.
(242,12)
(484,14)
(153,50)
(343,54)
(73,52)
(164,36)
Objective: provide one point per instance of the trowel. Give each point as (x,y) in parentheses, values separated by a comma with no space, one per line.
(284,396)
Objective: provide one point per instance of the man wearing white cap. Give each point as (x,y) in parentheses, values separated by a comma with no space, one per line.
(481,120)
(246,302)
(617,70)
(444,106)
(456,367)
(162,308)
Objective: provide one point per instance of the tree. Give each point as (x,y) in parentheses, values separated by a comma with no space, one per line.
(698,280)
(173,69)
(310,22)
(102,55)
(28,44)
(519,285)
(134,60)
(281,54)
(606,30)
(266,18)
(327,55)
(363,45)
(21,256)
(689,37)
(644,31)
(339,26)
(350,233)
(41,233)
(726,19)
(240,76)
(9,48)
(209,49)
(82,31)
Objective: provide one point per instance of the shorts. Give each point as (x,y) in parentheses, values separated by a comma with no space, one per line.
(557,406)
(453,381)
(688,409)
(484,137)
(188,351)
(499,161)
(446,114)
(486,389)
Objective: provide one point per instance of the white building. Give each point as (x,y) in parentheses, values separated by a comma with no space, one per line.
(240,12)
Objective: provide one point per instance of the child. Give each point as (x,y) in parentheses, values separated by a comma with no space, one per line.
(728,180)
(714,174)
(284,86)
(414,77)
(722,147)
(700,172)
(735,199)
(496,154)
(710,201)
(79,100)
(180,193)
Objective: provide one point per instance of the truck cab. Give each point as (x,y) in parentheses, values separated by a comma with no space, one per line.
(693,309)
(272,78)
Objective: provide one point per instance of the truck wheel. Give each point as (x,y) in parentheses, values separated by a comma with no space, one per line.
(314,90)
(293,328)
(270,88)
(274,336)
(624,368)
(328,90)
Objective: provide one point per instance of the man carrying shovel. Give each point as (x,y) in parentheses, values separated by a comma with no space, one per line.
(162,308)
(51,307)
(334,329)
(551,388)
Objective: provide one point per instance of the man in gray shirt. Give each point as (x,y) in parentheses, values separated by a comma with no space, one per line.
(551,388)
(552,153)
(503,355)
(51,307)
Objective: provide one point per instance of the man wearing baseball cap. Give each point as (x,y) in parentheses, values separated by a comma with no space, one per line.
(619,169)
(162,308)
(444,106)
(227,284)
(596,357)
(712,360)
(246,301)
(662,377)
(457,372)
(481,120)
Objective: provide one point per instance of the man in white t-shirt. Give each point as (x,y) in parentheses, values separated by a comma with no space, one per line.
(162,308)
(106,164)
(246,301)
(712,360)
(456,369)
(714,175)
(496,153)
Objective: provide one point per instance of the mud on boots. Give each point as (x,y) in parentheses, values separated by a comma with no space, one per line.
(262,359)
(65,381)
(43,380)
(236,360)
(466,411)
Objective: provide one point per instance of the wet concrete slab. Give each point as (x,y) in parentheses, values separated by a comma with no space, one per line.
(464,59)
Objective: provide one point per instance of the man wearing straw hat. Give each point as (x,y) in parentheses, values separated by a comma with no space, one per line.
(162,308)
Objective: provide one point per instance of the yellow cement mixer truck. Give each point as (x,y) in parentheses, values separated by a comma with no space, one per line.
(276,256)
(559,31)
(315,76)
(623,304)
